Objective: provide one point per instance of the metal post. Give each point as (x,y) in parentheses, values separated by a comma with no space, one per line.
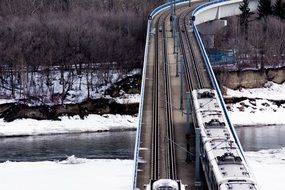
(197,159)
(172,17)
(188,107)
(177,63)
(174,32)
(181,84)
(178,59)
(174,35)
(188,127)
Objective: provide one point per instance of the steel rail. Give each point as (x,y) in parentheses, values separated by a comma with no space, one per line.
(155,120)
(171,155)
(195,77)
(193,60)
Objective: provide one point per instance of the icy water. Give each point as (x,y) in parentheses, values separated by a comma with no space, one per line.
(260,138)
(58,147)
(114,144)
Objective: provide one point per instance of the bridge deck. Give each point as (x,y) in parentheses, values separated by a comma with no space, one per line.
(185,170)
(196,77)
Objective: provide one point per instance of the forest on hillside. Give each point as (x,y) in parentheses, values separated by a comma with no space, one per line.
(258,39)
(71,32)
(43,39)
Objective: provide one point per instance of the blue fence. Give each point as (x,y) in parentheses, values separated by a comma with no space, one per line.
(217,56)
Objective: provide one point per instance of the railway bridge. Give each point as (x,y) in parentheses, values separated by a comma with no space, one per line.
(185,139)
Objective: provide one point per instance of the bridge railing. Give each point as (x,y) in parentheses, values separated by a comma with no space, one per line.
(211,72)
(164,6)
(139,122)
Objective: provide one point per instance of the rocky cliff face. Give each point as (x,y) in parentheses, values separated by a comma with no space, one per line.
(250,78)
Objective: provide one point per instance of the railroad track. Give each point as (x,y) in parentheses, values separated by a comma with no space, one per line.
(160,143)
(194,79)
(160,129)
(159,154)
(193,63)
(171,156)
(155,121)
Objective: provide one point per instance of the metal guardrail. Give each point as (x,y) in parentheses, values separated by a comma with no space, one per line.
(164,6)
(211,72)
(206,5)
(139,122)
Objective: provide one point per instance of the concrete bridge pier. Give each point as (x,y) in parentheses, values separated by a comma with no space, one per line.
(209,29)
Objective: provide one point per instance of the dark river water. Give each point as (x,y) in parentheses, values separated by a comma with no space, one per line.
(264,137)
(114,144)
(57,147)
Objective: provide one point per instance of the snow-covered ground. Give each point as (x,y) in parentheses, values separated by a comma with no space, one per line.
(77,173)
(71,174)
(268,167)
(91,123)
(128,98)
(270,91)
(53,87)
(261,109)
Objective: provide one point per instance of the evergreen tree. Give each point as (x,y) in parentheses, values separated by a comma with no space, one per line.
(245,13)
(264,8)
(279,9)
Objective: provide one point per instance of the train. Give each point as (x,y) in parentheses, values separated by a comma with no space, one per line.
(165,184)
(222,161)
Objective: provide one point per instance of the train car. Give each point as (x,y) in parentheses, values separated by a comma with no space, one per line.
(222,160)
(165,184)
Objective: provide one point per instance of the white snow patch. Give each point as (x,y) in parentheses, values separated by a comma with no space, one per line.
(85,174)
(268,167)
(271,90)
(73,160)
(91,123)
(6,101)
(57,88)
(128,98)
(260,111)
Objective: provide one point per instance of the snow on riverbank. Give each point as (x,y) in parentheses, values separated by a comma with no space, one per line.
(261,109)
(91,123)
(128,98)
(268,167)
(270,91)
(72,174)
